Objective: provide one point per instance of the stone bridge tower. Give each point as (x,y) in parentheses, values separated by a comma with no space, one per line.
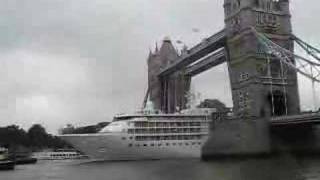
(260,87)
(176,85)
(260,84)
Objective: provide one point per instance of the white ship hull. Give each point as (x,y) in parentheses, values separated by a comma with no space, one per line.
(145,136)
(120,147)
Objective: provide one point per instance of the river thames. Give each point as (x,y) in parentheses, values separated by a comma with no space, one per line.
(274,168)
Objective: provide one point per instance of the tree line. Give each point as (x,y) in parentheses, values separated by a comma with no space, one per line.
(35,138)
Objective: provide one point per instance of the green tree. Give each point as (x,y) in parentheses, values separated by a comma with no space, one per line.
(13,135)
(213,103)
(38,136)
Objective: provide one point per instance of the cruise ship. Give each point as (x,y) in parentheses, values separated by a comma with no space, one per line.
(146,136)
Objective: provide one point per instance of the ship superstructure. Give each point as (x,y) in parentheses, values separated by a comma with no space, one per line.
(146,136)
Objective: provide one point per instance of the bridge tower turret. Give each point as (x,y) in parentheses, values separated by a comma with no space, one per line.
(260,84)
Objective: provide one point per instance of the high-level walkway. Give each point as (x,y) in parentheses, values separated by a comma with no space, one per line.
(199,51)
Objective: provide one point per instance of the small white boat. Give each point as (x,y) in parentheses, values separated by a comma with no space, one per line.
(60,154)
(5,162)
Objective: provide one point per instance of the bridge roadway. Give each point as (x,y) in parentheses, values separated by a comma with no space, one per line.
(301,119)
(199,51)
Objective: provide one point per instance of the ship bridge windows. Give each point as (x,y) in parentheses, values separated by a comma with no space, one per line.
(130,131)
(115,127)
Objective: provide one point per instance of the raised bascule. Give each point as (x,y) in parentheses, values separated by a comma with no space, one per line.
(257,44)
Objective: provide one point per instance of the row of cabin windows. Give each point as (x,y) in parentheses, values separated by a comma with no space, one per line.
(173,127)
(165,124)
(159,138)
(169,130)
(63,155)
(167,144)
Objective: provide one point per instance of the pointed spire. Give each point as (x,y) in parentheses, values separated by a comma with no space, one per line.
(157,49)
(150,54)
(166,39)
(167,52)
(184,50)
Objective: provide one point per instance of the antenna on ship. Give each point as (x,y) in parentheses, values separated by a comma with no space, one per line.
(145,99)
(192,98)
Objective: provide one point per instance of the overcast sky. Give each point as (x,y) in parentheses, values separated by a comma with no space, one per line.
(81,62)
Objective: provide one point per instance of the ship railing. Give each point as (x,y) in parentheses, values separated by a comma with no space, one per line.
(171,127)
(171,134)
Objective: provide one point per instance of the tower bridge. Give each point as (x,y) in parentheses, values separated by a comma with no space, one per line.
(257,44)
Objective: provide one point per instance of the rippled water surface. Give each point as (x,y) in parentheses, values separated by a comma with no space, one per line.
(282,168)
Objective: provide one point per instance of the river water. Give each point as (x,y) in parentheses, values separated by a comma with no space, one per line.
(274,168)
